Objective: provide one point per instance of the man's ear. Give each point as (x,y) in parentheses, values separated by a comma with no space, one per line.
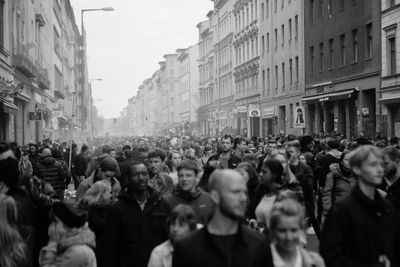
(214,196)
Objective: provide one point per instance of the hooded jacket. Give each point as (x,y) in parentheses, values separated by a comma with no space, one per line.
(323,164)
(95,162)
(338,186)
(52,172)
(74,250)
(199,200)
(132,233)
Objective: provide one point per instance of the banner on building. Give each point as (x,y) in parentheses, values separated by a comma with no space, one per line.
(299,118)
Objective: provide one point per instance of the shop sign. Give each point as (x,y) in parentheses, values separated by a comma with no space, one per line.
(35,116)
(269,112)
(299,118)
(241,109)
(254,112)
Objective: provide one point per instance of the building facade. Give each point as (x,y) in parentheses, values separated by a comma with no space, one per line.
(390,82)
(282,66)
(247,67)
(343,61)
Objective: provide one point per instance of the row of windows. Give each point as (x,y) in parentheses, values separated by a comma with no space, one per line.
(293,76)
(206,96)
(248,50)
(316,8)
(265,44)
(206,72)
(247,87)
(246,15)
(265,8)
(342,45)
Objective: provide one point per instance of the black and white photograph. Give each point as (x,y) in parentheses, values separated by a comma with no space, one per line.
(197,133)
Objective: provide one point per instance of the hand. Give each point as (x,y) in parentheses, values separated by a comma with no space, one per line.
(383,259)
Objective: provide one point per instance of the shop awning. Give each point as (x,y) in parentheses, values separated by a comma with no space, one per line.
(329,97)
(8,107)
(390,99)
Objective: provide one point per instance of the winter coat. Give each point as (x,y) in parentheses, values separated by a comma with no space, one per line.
(337,187)
(322,166)
(358,230)
(74,250)
(393,194)
(95,163)
(80,165)
(132,233)
(86,184)
(233,161)
(304,175)
(200,201)
(25,167)
(52,172)
(200,249)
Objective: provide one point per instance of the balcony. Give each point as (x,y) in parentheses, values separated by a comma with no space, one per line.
(43,78)
(23,62)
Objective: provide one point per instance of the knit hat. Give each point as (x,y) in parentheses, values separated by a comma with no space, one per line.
(70,213)
(9,173)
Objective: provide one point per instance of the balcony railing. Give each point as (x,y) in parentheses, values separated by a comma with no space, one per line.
(23,62)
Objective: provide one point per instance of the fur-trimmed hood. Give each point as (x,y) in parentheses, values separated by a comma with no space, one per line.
(78,236)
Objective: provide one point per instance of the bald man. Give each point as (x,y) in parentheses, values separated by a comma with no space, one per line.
(224,241)
(52,172)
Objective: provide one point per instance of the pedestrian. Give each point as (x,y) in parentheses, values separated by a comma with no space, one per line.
(71,242)
(173,161)
(80,165)
(156,158)
(224,241)
(52,172)
(339,183)
(163,184)
(286,226)
(135,224)
(187,192)
(33,154)
(95,162)
(24,165)
(106,173)
(180,223)
(249,173)
(227,159)
(362,229)
(13,249)
(56,154)
(391,182)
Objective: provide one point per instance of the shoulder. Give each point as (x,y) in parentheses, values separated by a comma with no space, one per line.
(253,237)
(312,258)
(79,253)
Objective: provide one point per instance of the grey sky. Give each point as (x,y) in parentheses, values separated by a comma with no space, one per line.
(125,46)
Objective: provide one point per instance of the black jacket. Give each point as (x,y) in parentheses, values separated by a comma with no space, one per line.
(132,233)
(52,172)
(80,164)
(393,194)
(199,250)
(232,162)
(358,230)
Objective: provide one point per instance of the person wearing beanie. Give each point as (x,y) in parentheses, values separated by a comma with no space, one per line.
(71,242)
(106,172)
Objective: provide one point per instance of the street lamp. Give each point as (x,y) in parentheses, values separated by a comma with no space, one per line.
(93,9)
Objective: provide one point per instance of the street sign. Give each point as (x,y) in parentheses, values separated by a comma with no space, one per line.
(35,116)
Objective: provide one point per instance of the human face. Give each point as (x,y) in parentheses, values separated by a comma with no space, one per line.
(371,171)
(178,231)
(32,149)
(139,177)
(187,180)
(287,233)
(303,159)
(294,152)
(389,166)
(113,153)
(243,173)
(272,146)
(175,159)
(226,144)
(281,158)
(107,175)
(156,164)
(242,145)
(265,176)
(233,198)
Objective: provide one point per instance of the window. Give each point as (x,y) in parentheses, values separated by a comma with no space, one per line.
(268,42)
(321,57)
(342,50)
(290,30)
(58,79)
(255,8)
(320,13)
(252,48)
(330,11)
(257,45)
(57,43)
(262,12)
(282,3)
(369,40)
(276,38)
(276,78)
(247,15)
(263,80)
(391,3)
(341,4)
(331,53)
(312,6)
(355,46)
(267,8)
(283,75)
(391,55)
(296,26)
(312,60)
(252,12)
(275,5)
(283,34)
(290,71)
(291,117)
(297,69)
(268,80)
(262,45)
(1,23)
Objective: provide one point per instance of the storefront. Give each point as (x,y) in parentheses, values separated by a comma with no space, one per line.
(269,121)
(390,102)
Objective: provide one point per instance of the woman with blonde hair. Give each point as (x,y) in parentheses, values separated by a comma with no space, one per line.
(287,226)
(163,183)
(12,247)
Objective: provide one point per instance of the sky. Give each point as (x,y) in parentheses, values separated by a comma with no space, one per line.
(125,46)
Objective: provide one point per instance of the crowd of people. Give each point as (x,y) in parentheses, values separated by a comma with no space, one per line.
(204,201)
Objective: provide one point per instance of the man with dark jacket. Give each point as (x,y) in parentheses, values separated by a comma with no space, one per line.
(95,162)
(80,165)
(52,172)
(227,159)
(391,181)
(135,224)
(362,229)
(187,192)
(224,241)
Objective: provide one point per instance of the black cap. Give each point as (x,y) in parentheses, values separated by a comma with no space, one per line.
(70,213)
